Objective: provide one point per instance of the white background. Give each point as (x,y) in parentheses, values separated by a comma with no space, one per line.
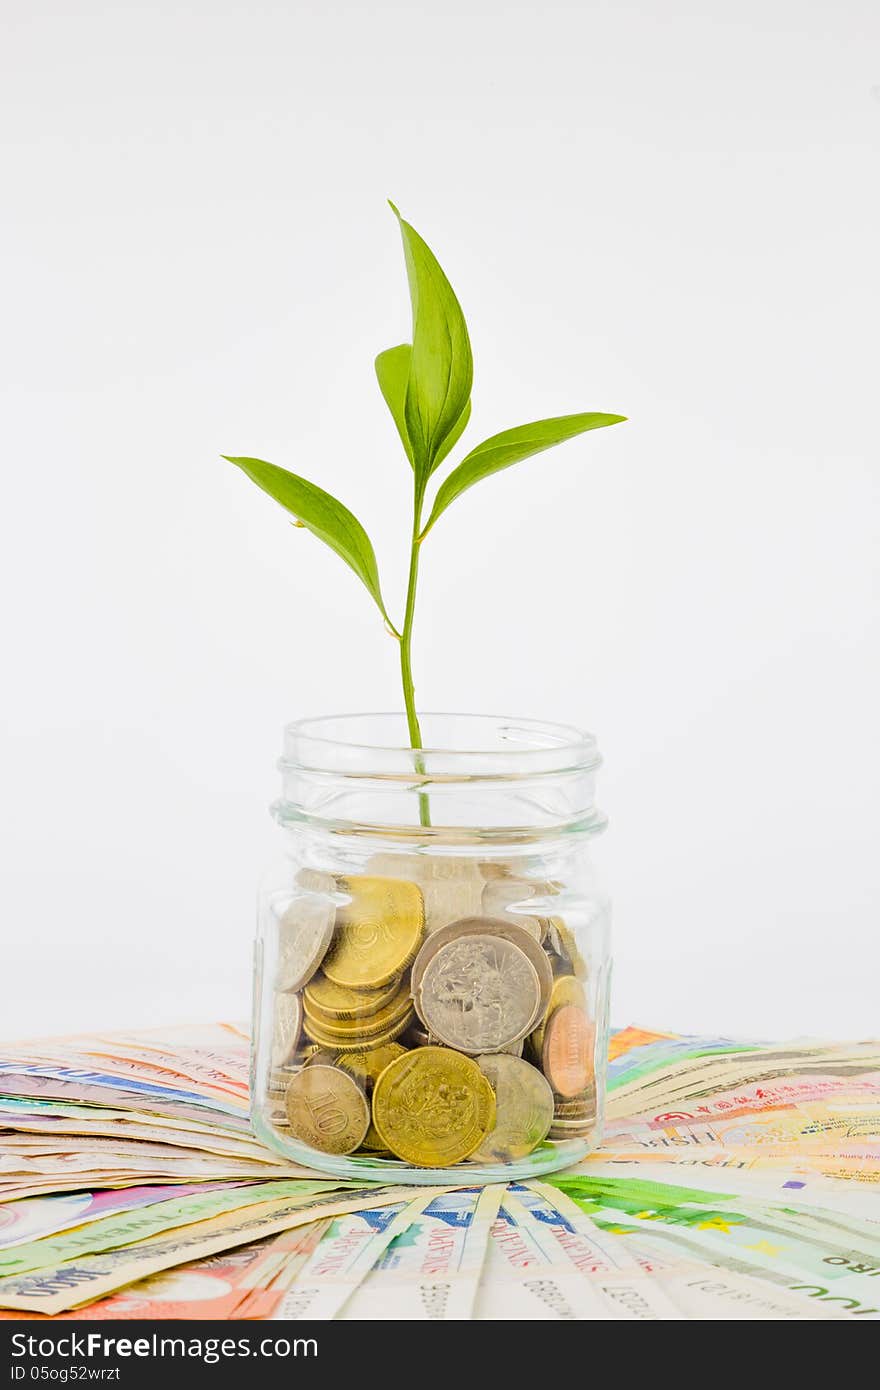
(664,209)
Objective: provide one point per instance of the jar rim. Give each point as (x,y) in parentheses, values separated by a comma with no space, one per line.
(498,743)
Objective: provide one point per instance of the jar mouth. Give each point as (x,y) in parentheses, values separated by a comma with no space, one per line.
(466,746)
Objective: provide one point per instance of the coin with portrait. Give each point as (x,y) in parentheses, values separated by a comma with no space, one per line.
(479,993)
(499,927)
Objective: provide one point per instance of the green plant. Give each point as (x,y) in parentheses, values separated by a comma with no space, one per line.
(427,388)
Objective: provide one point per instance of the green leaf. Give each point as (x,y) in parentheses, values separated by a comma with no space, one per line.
(452,439)
(323,515)
(441,367)
(392,373)
(510,447)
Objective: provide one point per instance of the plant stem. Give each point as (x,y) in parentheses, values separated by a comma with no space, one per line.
(412,718)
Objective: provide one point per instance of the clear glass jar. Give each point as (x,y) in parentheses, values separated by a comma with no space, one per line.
(432,965)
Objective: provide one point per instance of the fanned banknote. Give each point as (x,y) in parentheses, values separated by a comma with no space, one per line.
(431,1271)
(736,1181)
(348,1251)
(53,1289)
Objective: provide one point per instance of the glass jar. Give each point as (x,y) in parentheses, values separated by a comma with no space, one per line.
(432,964)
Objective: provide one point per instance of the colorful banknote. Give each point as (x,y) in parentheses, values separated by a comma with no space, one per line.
(742,1236)
(65,1285)
(125,1228)
(348,1251)
(431,1271)
(35,1217)
(527,1276)
(631,1289)
(736,1181)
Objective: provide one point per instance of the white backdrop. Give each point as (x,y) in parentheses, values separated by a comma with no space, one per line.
(662,208)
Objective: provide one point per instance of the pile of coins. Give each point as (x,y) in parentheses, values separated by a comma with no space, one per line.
(404,1028)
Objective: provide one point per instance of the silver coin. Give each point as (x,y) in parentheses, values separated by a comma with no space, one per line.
(523,1109)
(417,1036)
(479,993)
(305,930)
(572,1129)
(492,926)
(286,1027)
(575,1116)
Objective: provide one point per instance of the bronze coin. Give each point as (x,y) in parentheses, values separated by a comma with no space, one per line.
(567,1054)
(327,1109)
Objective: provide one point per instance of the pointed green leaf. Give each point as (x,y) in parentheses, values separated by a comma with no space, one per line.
(452,439)
(392,373)
(322,514)
(441,366)
(510,447)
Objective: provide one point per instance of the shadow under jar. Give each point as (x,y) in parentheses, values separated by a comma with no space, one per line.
(432,965)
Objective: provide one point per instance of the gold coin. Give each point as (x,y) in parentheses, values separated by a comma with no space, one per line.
(523,1109)
(392,1033)
(433,1107)
(309,1052)
(561,944)
(366,1067)
(567,1052)
(377,933)
(373,1144)
(327,1110)
(360,1027)
(320,1057)
(566,990)
(328,1000)
(357,1042)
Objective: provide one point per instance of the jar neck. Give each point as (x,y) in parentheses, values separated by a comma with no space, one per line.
(479,780)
